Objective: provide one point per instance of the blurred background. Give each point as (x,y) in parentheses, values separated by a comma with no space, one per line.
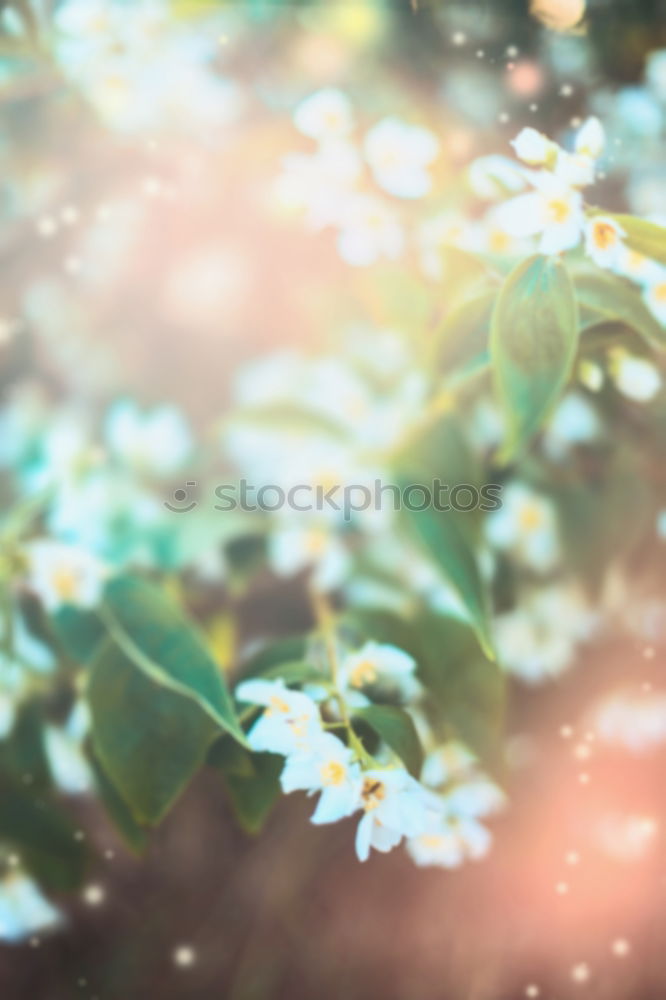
(158,234)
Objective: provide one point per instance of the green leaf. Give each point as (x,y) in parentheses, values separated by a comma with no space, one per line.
(593,517)
(79,632)
(43,836)
(155,635)
(149,739)
(533,339)
(22,753)
(462,340)
(644,237)
(467,688)
(612,299)
(288,650)
(252,797)
(397,729)
(449,547)
(296,672)
(117,809)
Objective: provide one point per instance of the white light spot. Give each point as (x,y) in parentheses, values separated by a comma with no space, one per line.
(532,990)
(566,90)
(184,956)
(584,778)
(72,264)
(566,732)
(620,947)
(46,226)
(562,888)
(572,857)
(459,38)
(582,751)
(70,215)
(152,187)
(94,895)
(580,973)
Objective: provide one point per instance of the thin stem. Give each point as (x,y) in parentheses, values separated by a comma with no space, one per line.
(326,621)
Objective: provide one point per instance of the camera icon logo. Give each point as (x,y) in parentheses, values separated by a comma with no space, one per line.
(181,496)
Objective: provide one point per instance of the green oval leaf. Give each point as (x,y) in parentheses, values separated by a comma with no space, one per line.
(533,339)
(155,635)
(397,729)
(612,299)
(450,548)
(149,739)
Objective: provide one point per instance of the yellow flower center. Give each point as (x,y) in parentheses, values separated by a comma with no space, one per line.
(558,210)
(277,705)
(498,241)
(315,543)
(433,840)
(604,235)
(65,583)
(364,672)
(660,292)
(332,120)
(333,773)
(372,793)
(530,517)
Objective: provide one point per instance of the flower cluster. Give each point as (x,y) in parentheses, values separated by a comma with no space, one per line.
(327,185)
(438,816)
(136,70)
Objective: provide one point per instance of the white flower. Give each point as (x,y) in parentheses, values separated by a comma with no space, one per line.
(603,240)
(590,139)
(538,640)
(639,268)
(491,176)
(368,230)
(474,797)
(157,442)
(295,547)
(574,422)
(655,72)
(446,763)
(449,843)
(69,767)
(319,184)
(533,147)
(554,210)
(64,574)
(636,378)
(324,115)
(327,766)
(395,806)
(525,525)
(290,721)
(655,295)
(634,721)
(399,154)
(23,909)
(574,169)
(379,665)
